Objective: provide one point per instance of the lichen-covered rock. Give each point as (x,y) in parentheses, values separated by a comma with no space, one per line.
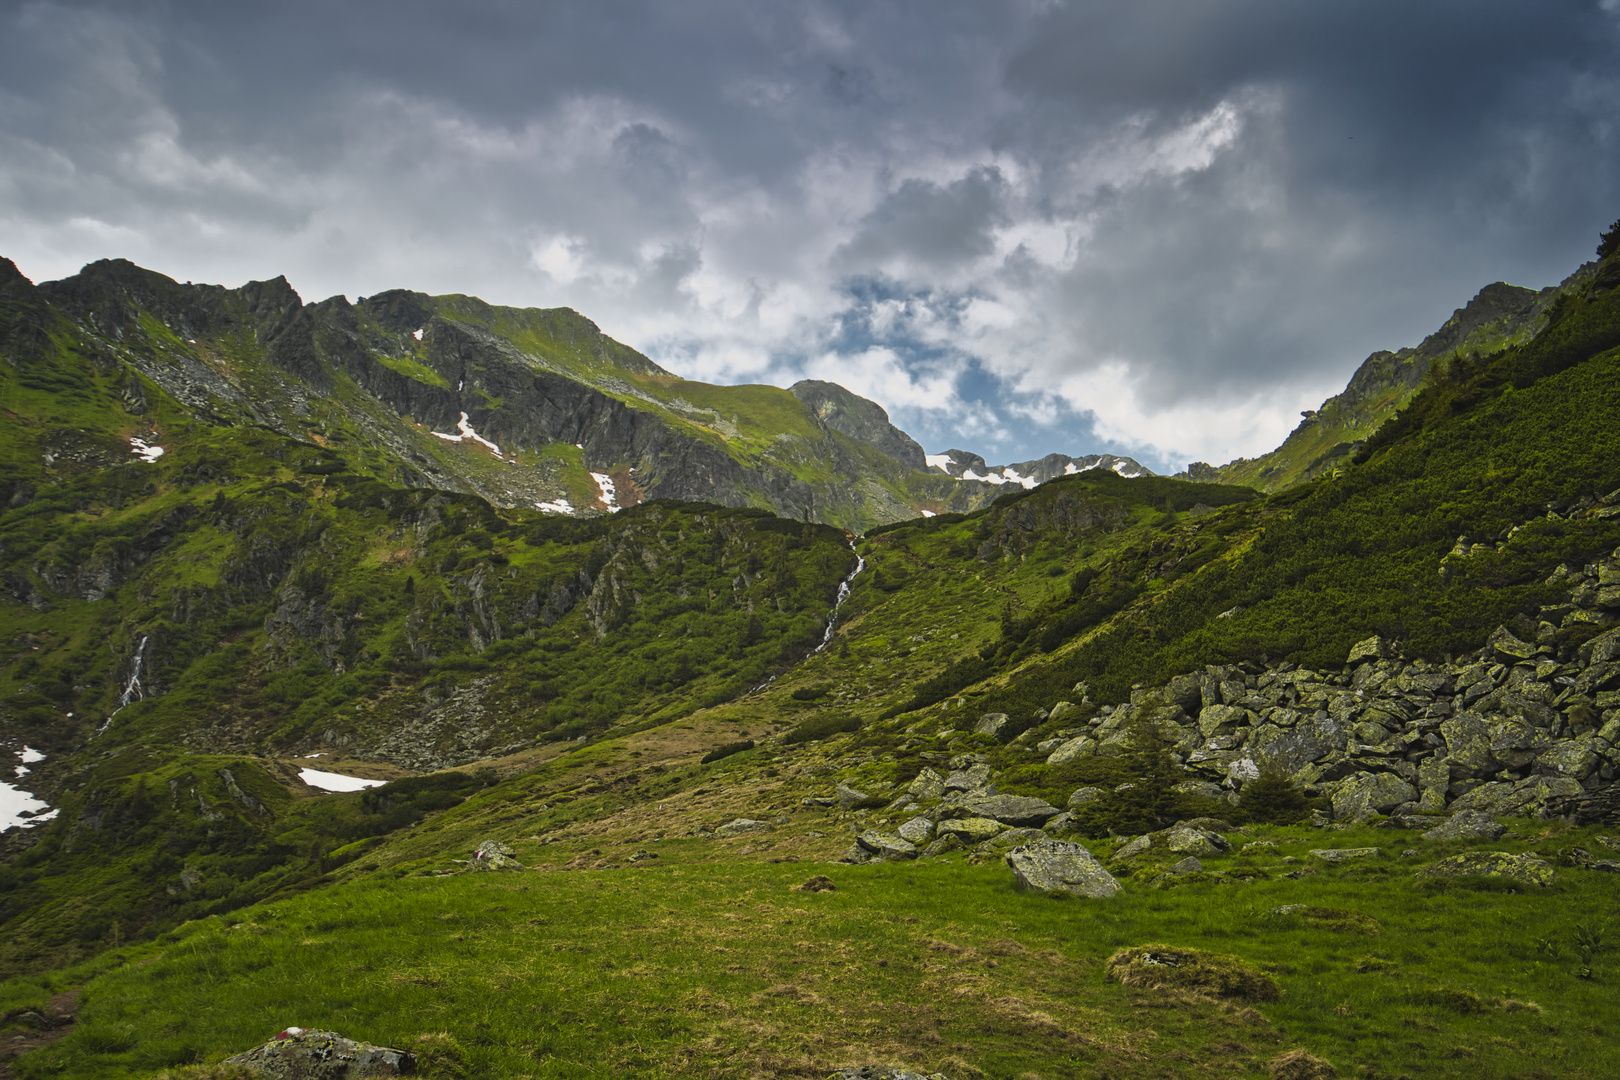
(1373,648)
(1021,810)
(1526,869)
(1575,758)
(297,1054)
(1467,825)
(1047,865)
(1078,747)
(971,778)
(1184,839)
(886,847)
(1468,746)
(1526,796)
(969,830)
(1085,795)
(1365,794)
(927,785)
(883,1072)
(1212,718)
(916,831)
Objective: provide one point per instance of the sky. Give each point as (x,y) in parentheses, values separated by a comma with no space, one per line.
(1159,228)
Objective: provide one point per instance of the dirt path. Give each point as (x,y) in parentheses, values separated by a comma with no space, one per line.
(46,1028)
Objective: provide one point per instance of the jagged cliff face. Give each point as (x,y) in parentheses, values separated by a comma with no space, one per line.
(1500,315)
(524,407)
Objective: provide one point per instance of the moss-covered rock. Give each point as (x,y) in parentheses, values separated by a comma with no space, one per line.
(1526,869)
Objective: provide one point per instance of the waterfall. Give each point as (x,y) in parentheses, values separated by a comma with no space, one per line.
(832,620)
(843,594)
(132,688)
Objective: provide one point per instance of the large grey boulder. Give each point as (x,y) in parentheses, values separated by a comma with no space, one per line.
(1527,796)
(883,1072)
(1047,865)
(1085,795)
(1186,839)
(1012,810)
(1467,825)
(1212,718)
(1366,794)
(1373,648)
(297,1054)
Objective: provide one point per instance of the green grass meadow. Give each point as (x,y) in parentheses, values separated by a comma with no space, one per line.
(706,962)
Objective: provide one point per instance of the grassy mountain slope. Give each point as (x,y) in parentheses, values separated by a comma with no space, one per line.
(1500,316)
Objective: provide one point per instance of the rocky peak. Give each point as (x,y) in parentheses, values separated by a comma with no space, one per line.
(858,418)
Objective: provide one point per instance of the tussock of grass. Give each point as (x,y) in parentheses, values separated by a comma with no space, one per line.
(1173,967)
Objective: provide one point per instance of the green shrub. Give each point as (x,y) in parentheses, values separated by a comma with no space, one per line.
(720,752)
(820,727)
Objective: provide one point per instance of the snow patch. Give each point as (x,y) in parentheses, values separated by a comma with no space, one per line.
(30,755)
(604,484)
(991,478)
(939,461)
(467,432)
(331,781)
(926,513)
(417,334)
(559,507)
(18,807)
(1013,476)
(147,453)
(1125,468)
(1070,469)
(308,756)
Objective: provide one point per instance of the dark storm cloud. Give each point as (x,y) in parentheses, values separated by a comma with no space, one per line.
(1157,227)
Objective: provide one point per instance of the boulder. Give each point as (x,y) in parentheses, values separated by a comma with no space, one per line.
(1065,710)
(742,827)
(886,847)
(297,1054)
(944,845)
(971,830)
(494,855)
(1085,795)
(882,1072)
(1344,854)
(997,725)
(1512,800)
(1202,788)
(1214,717)
(1366,794)
(1526,869)
(1468,746)
(916,830)
(1509,649)
(1078,747)
(968,779)
(1601,650)
(928,785)
(848,798)
(1574,758)
(1134,847)
(1013,810)
(1309,739)
(1049,865)
(1373,648)
(1467,825)
(1184,839)
(1060,824)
